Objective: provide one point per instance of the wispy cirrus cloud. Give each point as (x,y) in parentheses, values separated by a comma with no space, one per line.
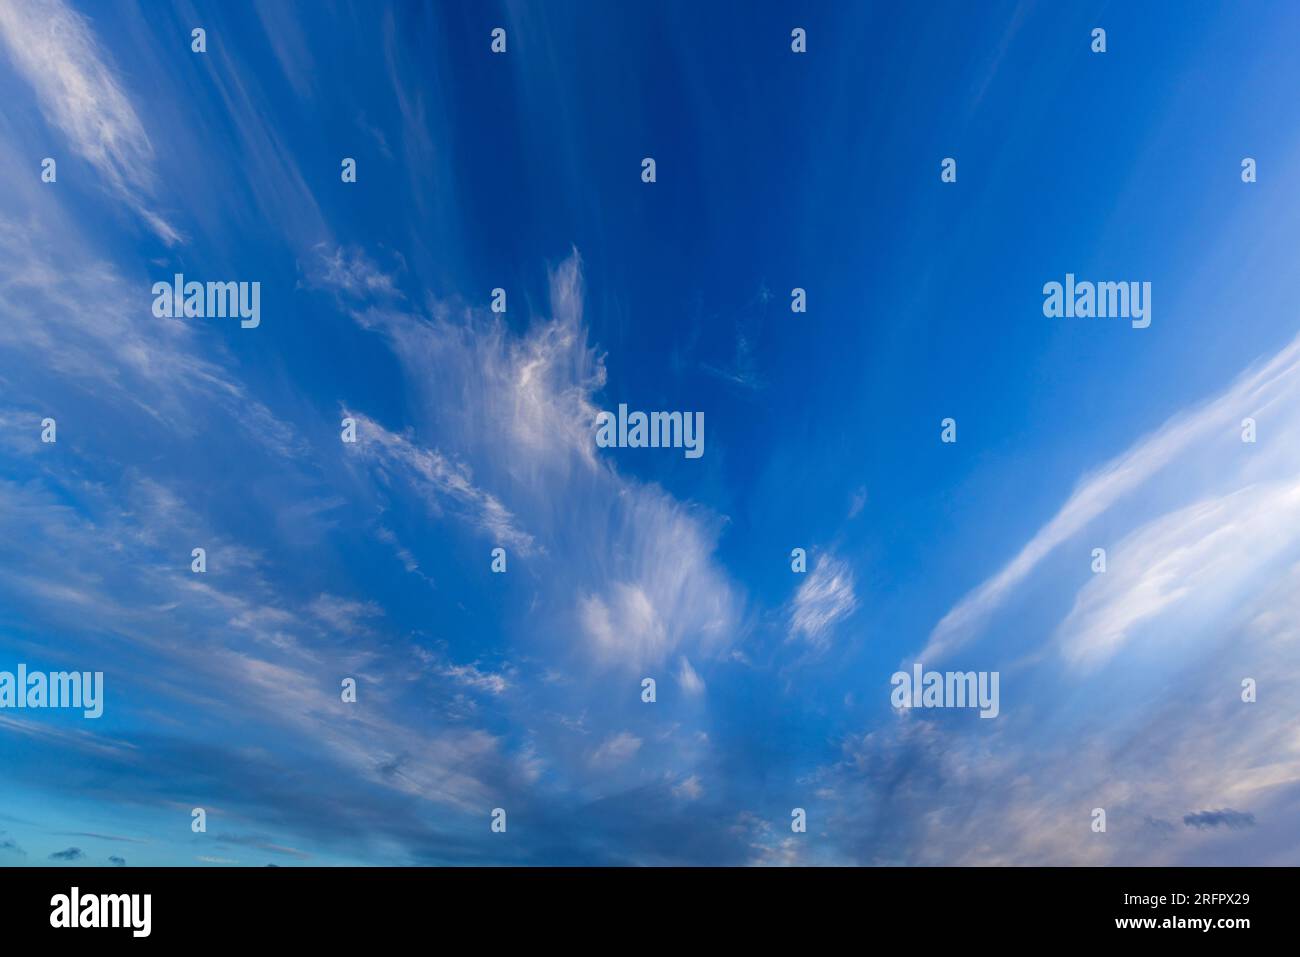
(1208,433)
(824,598)
(266,664)
(115,354)
(1199,595)
(520,410)
(688,678)
(1187,564)
(472,676)
(343,614)
(348,271)
(53,48)
(616,749)
(440,480)
(260,843)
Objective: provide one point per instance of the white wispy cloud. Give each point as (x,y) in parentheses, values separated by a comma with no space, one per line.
(348,271)
(228,644)
(1188,564)
(471,676)
(689,678)
(441,481)
(689,788)
(824,598)
(616,749)
(637,578)
(343,614)
(1172,737)
(1202,532)
(284,32)
(858,501)
(74,320)
(54,50)
(1207,432)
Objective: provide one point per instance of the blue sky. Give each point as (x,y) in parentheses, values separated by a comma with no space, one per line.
(521,690)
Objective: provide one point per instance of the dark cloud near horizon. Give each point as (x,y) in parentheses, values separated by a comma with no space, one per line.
(1159,824)
(71,854)
(1225,817)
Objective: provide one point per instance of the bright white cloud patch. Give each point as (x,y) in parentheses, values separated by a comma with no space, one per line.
(1188,566)
(1205,440)
(471,676)
(825,598)
(616,749)
(689,789)
(689,679)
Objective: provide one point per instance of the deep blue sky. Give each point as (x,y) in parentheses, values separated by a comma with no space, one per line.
(522,690)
